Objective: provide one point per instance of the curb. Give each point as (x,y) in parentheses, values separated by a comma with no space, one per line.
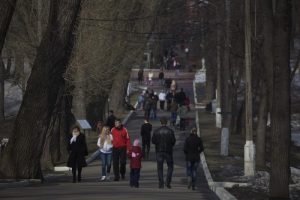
(216,187)
(21,183)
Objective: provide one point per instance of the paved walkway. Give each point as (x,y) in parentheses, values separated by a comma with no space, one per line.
(90,187)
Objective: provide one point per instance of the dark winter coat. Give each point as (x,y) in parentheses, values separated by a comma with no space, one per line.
(77,151)
(164,139)
(146,131)
(135,156)
(192,148)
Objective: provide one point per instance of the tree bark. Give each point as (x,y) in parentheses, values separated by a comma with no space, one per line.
(262,126)
(46,78)
(2,78)
(281,130)
(7,9)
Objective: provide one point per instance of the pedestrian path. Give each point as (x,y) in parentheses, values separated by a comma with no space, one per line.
(91,188)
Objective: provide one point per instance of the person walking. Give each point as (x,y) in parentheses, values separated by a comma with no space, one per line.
(111,119)
(162,99)
(164,140)
(173,109)
(193,146)
(105,146)
(161,77)
(121,145)
(141,76)
(77,149)
(182,113)
(146,137)
(135,156)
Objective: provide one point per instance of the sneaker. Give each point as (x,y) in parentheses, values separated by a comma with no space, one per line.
(108,178)
(103,178)
(168,186)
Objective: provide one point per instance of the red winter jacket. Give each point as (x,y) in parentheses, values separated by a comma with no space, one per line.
(135,156)
(120,138)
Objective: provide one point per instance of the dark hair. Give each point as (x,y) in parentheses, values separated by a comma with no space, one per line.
(163,121)
(75,127)
(111,111)
(117,120)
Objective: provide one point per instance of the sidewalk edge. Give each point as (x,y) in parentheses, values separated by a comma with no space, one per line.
(221,192)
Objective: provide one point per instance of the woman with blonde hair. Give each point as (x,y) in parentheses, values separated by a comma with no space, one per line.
(105,146)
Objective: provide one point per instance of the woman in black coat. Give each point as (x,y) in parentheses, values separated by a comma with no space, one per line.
(192,148)
(77,150)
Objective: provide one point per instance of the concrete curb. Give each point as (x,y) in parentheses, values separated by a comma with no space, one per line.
(216,187)
(20,183)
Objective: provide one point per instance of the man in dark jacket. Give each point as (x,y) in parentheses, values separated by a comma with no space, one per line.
(192,148)
(111,120)
(146,137)
(164,139)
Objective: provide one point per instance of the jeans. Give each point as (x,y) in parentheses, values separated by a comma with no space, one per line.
(93,157)
(173,117)
(106,163)
(153,113)
(160,158)
(134,177)
(191,170)
(119,162)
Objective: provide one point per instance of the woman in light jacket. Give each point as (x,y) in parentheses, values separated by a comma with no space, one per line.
(105,146)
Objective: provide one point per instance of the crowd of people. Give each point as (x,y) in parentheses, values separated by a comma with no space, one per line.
(115,146)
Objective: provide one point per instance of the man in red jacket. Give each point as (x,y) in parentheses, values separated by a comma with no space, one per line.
(121,145)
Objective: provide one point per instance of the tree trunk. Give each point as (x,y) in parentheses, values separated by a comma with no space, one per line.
(2,78)
(262,126)
(281,130)
(119,89)
(6,12)
(226,105)
(46,78)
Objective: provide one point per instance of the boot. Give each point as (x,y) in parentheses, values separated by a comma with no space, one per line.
(189,182)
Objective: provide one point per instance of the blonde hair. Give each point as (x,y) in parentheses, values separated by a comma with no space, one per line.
(105,136)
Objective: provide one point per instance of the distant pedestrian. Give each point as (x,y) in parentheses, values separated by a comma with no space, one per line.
(121,145)
(147,106)
(154,100)
(146,130)
(164,139)
(173,109)
(77,151)
(150,77)
(140,101)
(161,77)
(105,146)
(193,146)
(169,98)
(141,75)
(135,155)
(162,100)
(173,86)
(111,119)
(182,112)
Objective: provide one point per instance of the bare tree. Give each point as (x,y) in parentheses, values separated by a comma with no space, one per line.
(42,90)
(280,116)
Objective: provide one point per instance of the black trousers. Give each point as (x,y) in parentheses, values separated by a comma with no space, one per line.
(146,146)
(134,177)
(161,157)
(162,105)
(119,162)
(74,169)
